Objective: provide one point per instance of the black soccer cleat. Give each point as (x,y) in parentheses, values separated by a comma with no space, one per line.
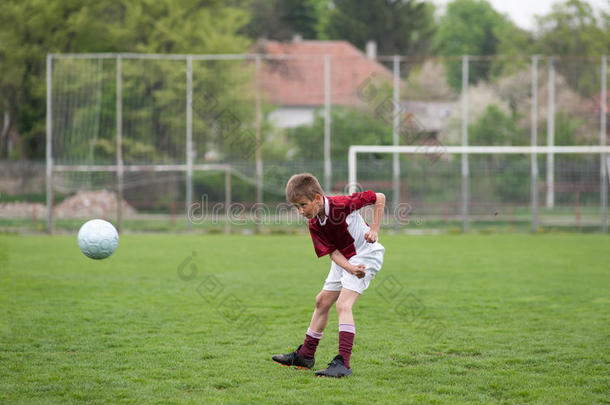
(336,369)
(294,359)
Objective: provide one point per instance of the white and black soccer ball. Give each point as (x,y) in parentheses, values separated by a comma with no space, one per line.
(98,239)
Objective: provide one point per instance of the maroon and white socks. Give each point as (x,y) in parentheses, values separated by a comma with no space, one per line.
(346,341)
(312,338)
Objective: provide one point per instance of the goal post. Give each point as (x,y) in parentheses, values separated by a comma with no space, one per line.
(534,151)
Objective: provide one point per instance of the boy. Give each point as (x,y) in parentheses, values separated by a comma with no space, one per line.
(337,229)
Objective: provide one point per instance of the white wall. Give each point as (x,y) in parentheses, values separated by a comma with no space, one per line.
(290,117)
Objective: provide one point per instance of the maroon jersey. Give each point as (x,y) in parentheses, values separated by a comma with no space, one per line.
(342,227)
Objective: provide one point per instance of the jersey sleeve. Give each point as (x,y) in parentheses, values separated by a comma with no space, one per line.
(347,204)
(321,244)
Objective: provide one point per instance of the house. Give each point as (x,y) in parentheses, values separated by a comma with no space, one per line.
(294,80)
(433,115)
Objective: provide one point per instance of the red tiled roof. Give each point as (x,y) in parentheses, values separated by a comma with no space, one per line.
(300,81)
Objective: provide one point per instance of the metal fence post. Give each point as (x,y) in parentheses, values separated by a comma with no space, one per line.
(228,199)
(534,142)
(351,169)
(119,142)
(258,161)
(465,173)
(189,139)
(49,155)
(550,136)
(395,129)
(258,155)
(603,168)
(327,163)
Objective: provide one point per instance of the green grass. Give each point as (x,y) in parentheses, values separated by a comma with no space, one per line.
(154,225)
(520,224)
(450,319)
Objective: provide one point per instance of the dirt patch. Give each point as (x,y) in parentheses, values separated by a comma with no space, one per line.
(91,204)
(23,210)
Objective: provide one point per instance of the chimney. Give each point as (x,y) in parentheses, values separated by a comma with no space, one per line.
(371,50)
(297,38)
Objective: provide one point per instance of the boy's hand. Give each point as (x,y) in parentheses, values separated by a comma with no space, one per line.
(355,269)
(370,236)
(358,270)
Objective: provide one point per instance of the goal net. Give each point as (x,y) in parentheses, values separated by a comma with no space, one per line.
(485,187)
(152,131)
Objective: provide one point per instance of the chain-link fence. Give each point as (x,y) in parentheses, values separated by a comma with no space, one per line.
(175,142)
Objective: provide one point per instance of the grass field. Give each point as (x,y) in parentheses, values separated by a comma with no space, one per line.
(193,319)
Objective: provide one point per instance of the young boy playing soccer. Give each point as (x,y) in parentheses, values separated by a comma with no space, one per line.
(338,230)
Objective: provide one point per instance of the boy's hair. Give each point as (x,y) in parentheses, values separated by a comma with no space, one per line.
(303,185)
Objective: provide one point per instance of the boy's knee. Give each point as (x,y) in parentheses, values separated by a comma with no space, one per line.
(323,302)
(343,306)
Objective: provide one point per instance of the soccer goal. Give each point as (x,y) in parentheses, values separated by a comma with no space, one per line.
(131,134)
(496,183)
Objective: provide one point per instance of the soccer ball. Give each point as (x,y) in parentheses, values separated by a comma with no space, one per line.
(97,239)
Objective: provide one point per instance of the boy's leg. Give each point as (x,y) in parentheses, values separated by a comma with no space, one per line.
(339,366)
(303,357)
(347,328)
(345,302)
(324,301)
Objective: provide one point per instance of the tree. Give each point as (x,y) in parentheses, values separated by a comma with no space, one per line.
(349,127)
(398,26)
(282,19)
(572,29)
(473,27)
(31,28)
(498,128)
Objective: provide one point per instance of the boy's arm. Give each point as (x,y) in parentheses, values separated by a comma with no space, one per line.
(371,236)
(341,261)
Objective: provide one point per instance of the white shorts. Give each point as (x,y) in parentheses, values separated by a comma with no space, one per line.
(338,278)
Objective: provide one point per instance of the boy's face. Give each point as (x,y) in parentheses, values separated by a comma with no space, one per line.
(309,208)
